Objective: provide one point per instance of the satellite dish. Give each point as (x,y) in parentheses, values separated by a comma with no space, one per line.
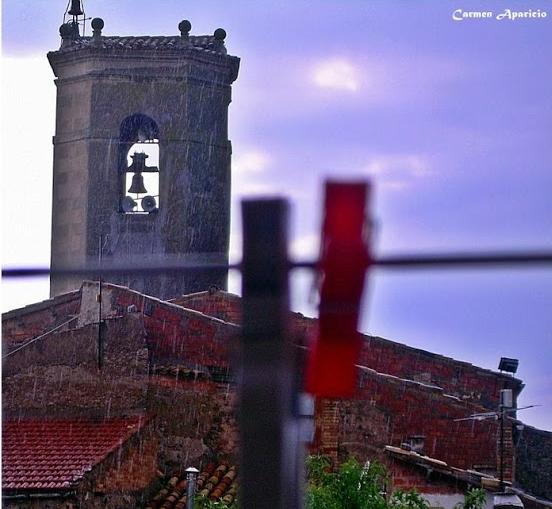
(149,204)
(128,204)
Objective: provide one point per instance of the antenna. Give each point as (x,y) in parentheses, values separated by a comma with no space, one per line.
(505,407)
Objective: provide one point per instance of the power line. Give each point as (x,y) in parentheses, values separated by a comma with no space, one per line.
(34,340)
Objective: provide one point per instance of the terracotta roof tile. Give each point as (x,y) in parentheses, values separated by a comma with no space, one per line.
(215,482)
(199,42)
(57,454)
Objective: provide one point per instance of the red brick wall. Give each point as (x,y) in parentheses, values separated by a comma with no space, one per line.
(29,322)
(387,411)
(327,428)
(455,377)
(175,334)
(131,469)
(363,429)
(508,450)
(418,410)
(219,304)
(409,477)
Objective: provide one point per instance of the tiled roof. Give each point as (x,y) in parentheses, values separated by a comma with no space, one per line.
(472,477)
(45,455)
(159,43)
(216,482)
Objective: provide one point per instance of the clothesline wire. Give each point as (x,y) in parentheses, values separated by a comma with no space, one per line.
(428,261)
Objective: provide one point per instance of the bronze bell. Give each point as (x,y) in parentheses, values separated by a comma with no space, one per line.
(137,186)
(76,9)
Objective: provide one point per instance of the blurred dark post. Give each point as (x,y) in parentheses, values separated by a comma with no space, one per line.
(269,439)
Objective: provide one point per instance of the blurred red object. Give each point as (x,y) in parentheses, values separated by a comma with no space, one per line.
(345,256)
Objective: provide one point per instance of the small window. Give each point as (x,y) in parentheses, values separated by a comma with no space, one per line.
(139,165)
(142,178)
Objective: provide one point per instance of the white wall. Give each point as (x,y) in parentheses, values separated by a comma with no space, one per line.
(448,501)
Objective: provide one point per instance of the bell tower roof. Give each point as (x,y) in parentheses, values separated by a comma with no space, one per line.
(176,48)
(203,43)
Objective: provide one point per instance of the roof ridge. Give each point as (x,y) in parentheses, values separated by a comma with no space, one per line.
(440,356)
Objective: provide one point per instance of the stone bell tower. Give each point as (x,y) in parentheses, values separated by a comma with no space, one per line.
(141,156)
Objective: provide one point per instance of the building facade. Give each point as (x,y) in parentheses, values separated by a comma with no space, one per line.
(141,156)
(171,364)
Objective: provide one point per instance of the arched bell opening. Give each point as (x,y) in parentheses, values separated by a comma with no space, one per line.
(139,165)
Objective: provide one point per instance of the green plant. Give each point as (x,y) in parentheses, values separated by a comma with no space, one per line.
(202,502)
(407,500)
(475,498)
(352,486)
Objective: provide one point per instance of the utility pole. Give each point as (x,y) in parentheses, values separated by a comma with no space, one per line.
(506,403)
(501,447)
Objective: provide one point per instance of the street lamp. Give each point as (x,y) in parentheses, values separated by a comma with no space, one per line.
(191,476)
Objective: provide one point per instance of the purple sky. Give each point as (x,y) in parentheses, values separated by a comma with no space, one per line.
(451,119)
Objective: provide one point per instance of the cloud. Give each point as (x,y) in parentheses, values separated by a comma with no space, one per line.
(248,173)
(251,161)
(337,74)
(398,171)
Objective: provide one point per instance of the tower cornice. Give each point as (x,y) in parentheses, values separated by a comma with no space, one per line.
(170,63)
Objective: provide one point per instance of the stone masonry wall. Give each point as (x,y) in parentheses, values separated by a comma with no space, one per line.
(26,323)
(174,334)
(457,378)
(195,421)
(58,377)
(195,417)
(388,411)
(534,461)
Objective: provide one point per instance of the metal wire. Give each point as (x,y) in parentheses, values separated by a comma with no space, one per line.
(34,340)
(432,261)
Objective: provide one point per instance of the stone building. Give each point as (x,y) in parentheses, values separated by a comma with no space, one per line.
(141,156)
(167,393)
